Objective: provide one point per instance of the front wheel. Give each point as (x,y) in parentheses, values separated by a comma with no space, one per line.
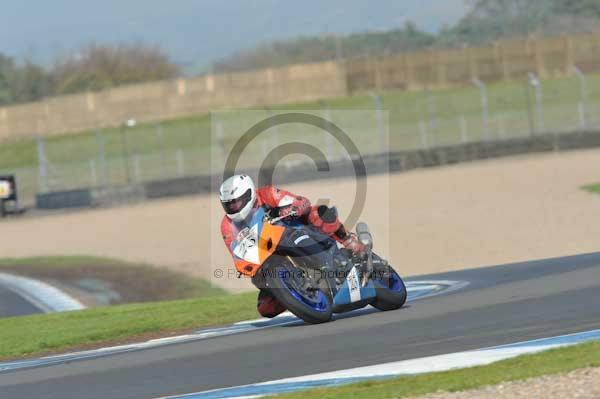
(389,287)
(291,288)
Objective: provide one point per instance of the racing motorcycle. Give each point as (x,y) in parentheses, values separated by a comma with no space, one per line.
(307,272)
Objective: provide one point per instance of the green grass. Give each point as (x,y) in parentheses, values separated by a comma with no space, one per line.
(136,282)
(38,334)
(142,139)
(551,362)
(592,188)
(61,261)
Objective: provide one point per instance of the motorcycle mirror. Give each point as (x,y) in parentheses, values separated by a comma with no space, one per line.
(364,235)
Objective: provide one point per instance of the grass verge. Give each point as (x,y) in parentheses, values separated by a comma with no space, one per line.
(41,334)
(133,282)
(551,362)
(592,188)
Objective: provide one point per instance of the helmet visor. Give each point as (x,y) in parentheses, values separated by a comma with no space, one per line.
(235,205)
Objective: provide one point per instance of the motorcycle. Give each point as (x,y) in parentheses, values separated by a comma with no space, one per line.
(307,272)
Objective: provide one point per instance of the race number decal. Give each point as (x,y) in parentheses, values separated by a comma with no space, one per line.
(353,285)
(247,245)
(5,189)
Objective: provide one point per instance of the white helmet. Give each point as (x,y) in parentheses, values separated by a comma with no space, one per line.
(238,196)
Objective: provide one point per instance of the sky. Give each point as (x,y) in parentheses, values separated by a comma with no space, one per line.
(197,32)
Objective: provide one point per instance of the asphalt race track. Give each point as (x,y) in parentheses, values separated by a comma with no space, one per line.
(12,304)
(501,305)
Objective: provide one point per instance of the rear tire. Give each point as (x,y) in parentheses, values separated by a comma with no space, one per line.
(390,289)
(279,279)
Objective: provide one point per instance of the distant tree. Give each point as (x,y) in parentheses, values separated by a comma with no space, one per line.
(494,19)
(102,66)
(30,83)
(490,20)
(7,70)
(320,48)
(588,8)
(21,82)
(94,68)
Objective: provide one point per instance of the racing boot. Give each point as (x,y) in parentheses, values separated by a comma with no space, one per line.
(267,305)
(352,244)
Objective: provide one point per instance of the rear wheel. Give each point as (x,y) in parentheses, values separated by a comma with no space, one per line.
(294,290)
(390,289)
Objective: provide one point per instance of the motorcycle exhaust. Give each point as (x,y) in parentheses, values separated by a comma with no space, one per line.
(365,237)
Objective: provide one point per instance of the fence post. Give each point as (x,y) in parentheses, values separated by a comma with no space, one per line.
(100,143)
(43,165)
(328,138)
(125,147)
(161,143)
(464,136)
(380,125)
(424,135)
(485,114)
(539,101)
(180,163)
(93,173)
(431,111)
(274,133)
(527,88)
(275,143)
(220,132)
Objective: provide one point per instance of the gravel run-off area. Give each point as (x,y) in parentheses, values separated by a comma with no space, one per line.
(424,221)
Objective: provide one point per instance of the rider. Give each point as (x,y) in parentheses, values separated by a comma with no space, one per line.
(239,197)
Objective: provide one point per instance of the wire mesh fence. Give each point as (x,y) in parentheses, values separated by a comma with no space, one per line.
(137,153)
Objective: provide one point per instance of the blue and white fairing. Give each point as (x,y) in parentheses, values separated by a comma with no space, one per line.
(351,290)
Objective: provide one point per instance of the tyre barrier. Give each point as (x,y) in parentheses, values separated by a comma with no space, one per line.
(178,187)
(80,198)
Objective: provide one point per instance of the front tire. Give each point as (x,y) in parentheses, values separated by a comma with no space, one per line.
(390,289)
(313,307)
